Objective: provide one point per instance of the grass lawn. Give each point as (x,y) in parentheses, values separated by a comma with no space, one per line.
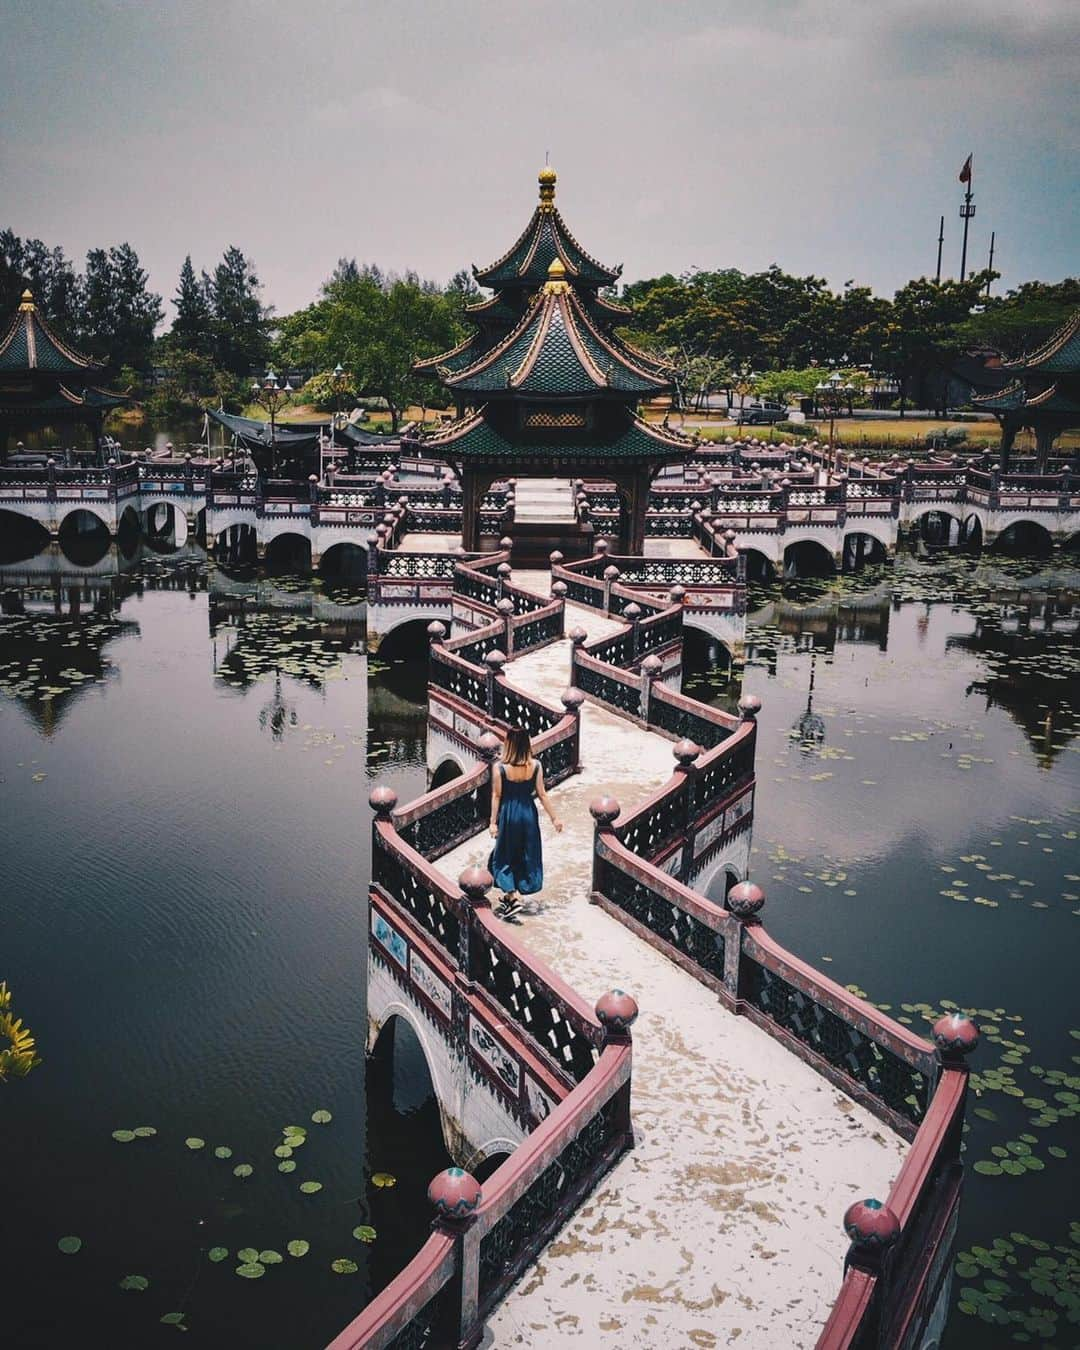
(897,435)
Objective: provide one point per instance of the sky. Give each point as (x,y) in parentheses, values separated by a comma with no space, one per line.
(825,136)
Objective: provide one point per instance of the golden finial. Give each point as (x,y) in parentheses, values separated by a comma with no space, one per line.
(27,301)
(547,178)
(556,281)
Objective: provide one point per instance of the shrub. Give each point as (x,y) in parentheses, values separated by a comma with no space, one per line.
(806,429)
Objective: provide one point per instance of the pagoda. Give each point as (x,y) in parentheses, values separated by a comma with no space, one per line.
(44,382)
(1044,393)
(544,388)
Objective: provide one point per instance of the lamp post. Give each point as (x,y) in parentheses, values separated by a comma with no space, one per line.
(743,386)
(339,381)
(272,394)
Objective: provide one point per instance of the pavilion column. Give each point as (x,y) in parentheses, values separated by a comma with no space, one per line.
(1044,443)
(471,496)
(1008,435)
(639,505)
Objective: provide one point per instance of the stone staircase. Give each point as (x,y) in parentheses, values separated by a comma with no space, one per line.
(545,519)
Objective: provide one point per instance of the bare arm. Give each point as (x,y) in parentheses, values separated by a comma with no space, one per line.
(496,798)
(545,800)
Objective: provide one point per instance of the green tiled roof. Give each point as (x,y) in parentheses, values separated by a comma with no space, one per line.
(557,352)
(544,239)
(63,401)
(1015,398)
(1059,356)
(30,344)
(458,358)
(475,438)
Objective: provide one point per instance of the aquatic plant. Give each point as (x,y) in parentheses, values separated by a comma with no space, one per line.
(18,1057)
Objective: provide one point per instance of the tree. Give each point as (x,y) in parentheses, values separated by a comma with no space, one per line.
(47,272)
(191,330)
(239,317)
(119,312)
(1024,318)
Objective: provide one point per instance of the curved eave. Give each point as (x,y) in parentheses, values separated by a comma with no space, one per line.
(580,266)
(435,366)
(1060,354)
(473,438)
(1002,400)
(39,341)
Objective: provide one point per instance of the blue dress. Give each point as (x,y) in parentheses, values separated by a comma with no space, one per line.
(517,860)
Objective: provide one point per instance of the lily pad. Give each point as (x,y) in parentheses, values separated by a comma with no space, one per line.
(123,1136)
(283,1151)
(298,1247)
(172,1319)
(383,1180)
(243,1170)
(195,1143)
(134,1284)
(321,1117)
(222,1151)
(343,1266)
(70,1245)
(365,1233)
(271,1257)
(144,1131)
(286,1166)
(310,1187)
(251,1270)
(987,1169)
(216,1254)
(246,1255)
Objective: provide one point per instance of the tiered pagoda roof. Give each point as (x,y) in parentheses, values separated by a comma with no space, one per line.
(475,438)
(31,344)
(556,351)
(1060,355)
(1047,381)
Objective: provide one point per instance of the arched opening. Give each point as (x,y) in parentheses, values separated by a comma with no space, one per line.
(706,663)
(1025,538)
(409,641)
(447,771)
(759,567)
(288,553)
(808,558)
(345,562)
(127,531)
(165,528)
(971,532)
(236,545)
(200,526)
(83,537)
(938,529)
(399,1054)
(20,537)
(861,549)
(720,884)
(483,1168)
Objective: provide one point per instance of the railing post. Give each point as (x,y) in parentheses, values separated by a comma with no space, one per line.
(611,575)
(506,609)
(572,699)
(617,1011)
(456,1194)
(604,811)
(475,882)
(578,637)
(686,753)
(632,612)
(955,1036)
(744,901)
(650,671)
(503,572)
(494,662)
(874,1230)
(50,491)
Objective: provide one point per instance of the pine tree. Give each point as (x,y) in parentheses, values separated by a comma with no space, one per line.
(191,330)
(119,313)
(240,340)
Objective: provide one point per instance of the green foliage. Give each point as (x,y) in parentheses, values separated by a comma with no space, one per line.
(18,1056)
(796,429)
(118,314)
(321,392)
(192,330)
(1024,318)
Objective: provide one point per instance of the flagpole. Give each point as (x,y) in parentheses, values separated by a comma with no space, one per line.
(940,242)
(990,264)
(966,212)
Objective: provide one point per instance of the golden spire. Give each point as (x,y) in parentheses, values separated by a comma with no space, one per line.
(556,282)
(547,178)
(27,301)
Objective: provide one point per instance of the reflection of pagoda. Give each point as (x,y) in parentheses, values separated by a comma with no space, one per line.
(1043,395)
(44,382)
(553,391)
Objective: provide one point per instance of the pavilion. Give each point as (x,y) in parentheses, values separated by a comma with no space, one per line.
(46,383)
(544,388)
(1044,393)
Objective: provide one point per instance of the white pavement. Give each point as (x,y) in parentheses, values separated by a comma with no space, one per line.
(723,1225)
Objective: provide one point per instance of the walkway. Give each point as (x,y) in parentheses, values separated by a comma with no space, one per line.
(723,1226)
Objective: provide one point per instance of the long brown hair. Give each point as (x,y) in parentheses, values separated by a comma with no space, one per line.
(517,748)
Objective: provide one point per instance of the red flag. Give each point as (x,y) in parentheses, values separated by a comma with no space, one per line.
(965,172)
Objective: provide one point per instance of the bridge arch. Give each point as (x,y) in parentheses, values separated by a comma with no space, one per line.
(289,550)
(21,536)
(862,546)
(383,1045)
(971,531)
(73,519)
(237,543)
(718,878)
(347,560)
(447,769)
(84,536)
(759,565)
(1024,536)
(704,650)
(808,557)
(406,630)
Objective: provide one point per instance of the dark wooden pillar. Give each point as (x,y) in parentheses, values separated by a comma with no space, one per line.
(639,504)
(1008,435)
(471,495)
(1044,443)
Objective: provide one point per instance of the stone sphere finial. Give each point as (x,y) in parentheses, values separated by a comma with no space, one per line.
(955,1035)
(505,606)
(506,543)
(503,570)
(745,899)
(749,706)
(555,557)
(616,1012)
(651,666)
(489,746)
(686,751)
(601,546)
(677,594)
(313,477)
(559,589)
(571,699)
(382,801)
(436,630)
(611,573)
(578,635)
(459,550)
(871,1225)
(455,1193)
(632,612)
(476,882)
(604,809)
(495,660)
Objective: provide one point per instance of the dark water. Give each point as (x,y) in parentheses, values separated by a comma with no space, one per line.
(186,841)
(916,834)
(184,918)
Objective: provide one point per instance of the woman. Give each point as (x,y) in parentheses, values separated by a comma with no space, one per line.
(517,861)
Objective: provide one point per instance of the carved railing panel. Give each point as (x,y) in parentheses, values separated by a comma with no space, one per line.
(408,886)
(669,921)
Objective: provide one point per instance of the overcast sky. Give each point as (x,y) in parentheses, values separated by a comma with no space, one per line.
(826,137)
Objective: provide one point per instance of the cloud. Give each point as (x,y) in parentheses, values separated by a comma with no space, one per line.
(381,106)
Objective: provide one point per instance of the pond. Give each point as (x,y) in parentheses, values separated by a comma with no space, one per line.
(187,756)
